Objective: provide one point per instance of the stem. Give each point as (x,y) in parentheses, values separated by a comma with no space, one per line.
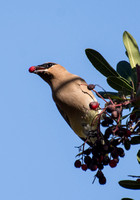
(99,96)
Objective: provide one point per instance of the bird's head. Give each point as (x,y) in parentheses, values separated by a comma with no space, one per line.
(48,71)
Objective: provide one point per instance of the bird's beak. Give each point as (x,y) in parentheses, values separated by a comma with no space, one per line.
(37,69)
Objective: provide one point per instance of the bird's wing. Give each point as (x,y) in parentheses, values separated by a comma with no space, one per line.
(63,115)
(67,120)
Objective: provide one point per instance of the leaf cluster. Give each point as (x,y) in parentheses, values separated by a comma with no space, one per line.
(126,81)
(125,78)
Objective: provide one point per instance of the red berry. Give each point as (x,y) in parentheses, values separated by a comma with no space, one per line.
(84,167)
(77,164)
(128,133)
(101,158)
(32,69)
(116,160)
(113,163)
(94,105)
(93,167)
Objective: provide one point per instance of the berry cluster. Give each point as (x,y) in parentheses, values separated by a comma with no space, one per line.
(101,154)
(106,150)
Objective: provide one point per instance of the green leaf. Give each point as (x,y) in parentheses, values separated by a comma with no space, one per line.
(138,81)
(124,69)
(129,184)
(112,95)
(138,156)
(120,84)
(135,140)
(134,176)
(100,63)
(132,49)
(134,77)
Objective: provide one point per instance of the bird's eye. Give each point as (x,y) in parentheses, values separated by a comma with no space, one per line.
(49,65)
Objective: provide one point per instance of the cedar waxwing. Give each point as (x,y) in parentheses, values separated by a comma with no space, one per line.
(72,98)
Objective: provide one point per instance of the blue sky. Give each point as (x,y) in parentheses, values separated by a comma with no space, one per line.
(36,145)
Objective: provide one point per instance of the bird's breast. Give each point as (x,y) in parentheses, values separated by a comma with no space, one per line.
(74,103)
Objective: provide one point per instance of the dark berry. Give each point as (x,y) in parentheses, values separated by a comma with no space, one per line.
(112,163)
(94,105)
(87,151)
(110,108)
(115,142)
(99,174)
(120,132)
(100,166)
(91,86)
(104,123)
(110,121)
(127,144)
(93,167)
(106,160)
(84,167)
(105,148)
(132,116)
(98,142)
(108,132)
(110,148)
(138,180)
(87,160)
(114,153)
(102,180)
(101,158)
(77,164)
(94,160)
(120,152)
(95,152)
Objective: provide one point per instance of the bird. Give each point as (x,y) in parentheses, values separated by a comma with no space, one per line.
(72,98)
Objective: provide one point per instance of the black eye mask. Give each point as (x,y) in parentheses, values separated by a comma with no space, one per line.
(47,65)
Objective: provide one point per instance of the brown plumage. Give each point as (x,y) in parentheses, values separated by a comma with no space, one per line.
(72,99)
